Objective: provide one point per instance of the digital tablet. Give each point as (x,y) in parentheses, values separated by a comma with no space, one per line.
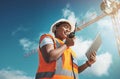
(94,46)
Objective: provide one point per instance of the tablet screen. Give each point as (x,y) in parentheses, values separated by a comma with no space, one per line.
(94,46)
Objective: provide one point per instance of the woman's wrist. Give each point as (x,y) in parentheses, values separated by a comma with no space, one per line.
(66,45)
(88,64)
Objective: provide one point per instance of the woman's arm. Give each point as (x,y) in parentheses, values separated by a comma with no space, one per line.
(82,67)
(50,54)
(88,63)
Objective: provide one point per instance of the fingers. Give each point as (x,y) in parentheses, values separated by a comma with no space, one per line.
(93,56)
(94,53)
(74,38)
(69,41)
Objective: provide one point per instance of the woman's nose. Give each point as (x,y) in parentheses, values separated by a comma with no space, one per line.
(68,30)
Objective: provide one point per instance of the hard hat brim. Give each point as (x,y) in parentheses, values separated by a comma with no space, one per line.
(53,27)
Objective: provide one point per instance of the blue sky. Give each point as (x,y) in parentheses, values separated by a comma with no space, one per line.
(23,21)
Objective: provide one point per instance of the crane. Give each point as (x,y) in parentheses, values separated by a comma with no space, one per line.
(109,8)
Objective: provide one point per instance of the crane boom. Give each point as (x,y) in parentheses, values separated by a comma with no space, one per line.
(91,22)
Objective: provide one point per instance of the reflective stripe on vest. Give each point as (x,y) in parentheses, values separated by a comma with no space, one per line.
(59,70)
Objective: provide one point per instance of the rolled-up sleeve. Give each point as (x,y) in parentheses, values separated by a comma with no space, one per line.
(45,41)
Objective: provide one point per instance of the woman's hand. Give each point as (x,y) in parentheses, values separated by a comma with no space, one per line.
(70,41)
(92,59)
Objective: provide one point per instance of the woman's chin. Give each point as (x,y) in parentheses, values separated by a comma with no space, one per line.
(65,35)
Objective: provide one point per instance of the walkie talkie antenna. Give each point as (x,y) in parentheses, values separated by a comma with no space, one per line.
(75,27)
(72,34)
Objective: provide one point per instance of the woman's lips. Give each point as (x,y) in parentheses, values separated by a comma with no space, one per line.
(66,33)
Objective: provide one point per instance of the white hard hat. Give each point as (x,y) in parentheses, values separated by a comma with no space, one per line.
(53,27)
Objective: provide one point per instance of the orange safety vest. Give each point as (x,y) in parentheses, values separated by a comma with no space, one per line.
(62,68)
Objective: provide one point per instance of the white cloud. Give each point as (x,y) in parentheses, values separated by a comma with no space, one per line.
(90,14)
(70,15)
(13,74)
(103,62)
(30,47)
(25,43)
(81,47)
(101,66)
(18,30)
(105,24)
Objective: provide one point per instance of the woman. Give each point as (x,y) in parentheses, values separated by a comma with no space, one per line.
(56,58)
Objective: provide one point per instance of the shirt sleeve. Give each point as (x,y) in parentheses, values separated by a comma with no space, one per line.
(45,41)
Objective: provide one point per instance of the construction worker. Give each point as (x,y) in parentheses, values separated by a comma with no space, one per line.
(56,59)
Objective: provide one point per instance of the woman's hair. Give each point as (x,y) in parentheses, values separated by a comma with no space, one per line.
(58,24)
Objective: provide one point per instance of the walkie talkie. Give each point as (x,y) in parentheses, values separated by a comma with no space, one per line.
(72,34)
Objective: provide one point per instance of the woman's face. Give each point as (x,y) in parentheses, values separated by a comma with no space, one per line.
(63,31)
